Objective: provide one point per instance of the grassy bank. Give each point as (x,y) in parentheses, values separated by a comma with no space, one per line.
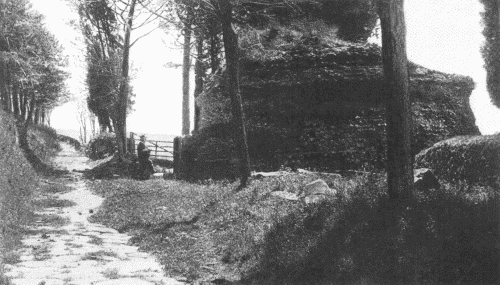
(209,231)
(18,182)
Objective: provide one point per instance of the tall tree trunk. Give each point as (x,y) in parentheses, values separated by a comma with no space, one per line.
(121,116)
(199,74)
(36,119)
(398,112)
(232,62)
(3,85)
(8,83)
(31,110)
(42,118)
(15,99)
(23,103)
(214,49)
(186,67)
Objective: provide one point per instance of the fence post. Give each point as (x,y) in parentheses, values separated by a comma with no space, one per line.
(131,143)
(177,155)
(156,149)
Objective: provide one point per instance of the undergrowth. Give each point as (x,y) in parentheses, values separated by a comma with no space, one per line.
(207,229)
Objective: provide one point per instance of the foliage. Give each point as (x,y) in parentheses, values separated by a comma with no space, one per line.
(44,142)
(32,60)
(491,48)
(101,146)
(17,183)
(469,159)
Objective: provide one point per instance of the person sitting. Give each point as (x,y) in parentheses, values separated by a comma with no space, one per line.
(145,164)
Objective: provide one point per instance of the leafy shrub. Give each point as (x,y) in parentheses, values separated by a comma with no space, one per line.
(72,141)
(43,141)
(101,146)
(470,159)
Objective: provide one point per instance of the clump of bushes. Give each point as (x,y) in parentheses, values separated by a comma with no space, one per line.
(101,146)
(469,159)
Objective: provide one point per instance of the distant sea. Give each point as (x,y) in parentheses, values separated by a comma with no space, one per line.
(157,137)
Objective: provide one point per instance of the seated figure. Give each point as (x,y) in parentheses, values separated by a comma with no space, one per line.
(145,164)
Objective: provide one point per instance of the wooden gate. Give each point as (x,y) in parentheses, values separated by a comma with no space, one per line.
(163,150)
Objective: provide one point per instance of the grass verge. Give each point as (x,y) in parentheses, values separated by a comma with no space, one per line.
(204,231)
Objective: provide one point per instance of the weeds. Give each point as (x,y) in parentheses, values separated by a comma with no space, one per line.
(98,255)
(111,273)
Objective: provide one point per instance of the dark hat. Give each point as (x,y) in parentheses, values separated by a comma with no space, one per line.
(142,136)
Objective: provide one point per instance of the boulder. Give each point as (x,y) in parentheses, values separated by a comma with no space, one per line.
(424,180)
(317,191)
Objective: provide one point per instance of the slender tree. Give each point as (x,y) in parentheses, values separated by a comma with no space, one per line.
(231,51)
(199,75)
(186,68)
(398,113)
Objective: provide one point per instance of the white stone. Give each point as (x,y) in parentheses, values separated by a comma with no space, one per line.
(285,195)
(317,191)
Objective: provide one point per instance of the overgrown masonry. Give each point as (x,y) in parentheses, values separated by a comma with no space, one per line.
(322,106)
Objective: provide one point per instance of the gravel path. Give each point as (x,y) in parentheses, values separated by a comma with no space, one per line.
(81,252)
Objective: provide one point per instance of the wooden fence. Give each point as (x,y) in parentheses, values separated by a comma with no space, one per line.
(163,150)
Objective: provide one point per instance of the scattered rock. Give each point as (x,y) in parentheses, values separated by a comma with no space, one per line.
(304,171)
(285,195)
(317,191)
(91,211)
(424,180)
(45,236)
(158,175)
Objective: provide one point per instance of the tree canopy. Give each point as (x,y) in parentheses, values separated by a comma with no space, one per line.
(33,67)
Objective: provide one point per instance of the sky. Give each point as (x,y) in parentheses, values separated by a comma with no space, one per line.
(443,35)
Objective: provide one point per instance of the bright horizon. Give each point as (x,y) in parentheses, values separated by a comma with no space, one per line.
(446,38)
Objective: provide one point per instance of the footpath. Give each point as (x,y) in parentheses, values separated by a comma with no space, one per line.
(80,252)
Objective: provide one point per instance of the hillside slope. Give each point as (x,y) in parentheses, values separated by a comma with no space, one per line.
(17,183)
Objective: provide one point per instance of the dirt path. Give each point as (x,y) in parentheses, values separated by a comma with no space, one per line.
(81,252)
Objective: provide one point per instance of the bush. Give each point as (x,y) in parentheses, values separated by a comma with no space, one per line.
(469,159)
(73,142)
(43,141)
(101,146)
